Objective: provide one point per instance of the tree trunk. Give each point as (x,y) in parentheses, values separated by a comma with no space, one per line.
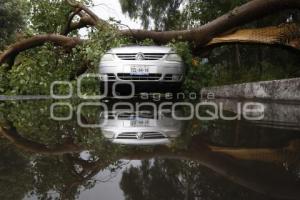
(246,13)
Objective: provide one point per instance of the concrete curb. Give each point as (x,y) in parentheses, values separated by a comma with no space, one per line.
(280,90)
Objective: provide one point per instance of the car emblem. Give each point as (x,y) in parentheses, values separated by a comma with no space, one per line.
(140,56)
(139,136)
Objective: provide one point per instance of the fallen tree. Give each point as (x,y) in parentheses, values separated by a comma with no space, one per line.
(202,35)
(211,34)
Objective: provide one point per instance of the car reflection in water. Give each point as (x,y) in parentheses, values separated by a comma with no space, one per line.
(140,127)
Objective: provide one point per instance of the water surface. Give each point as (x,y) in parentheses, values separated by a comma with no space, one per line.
(41,158)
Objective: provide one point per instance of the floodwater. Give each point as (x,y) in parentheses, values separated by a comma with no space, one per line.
(88,151)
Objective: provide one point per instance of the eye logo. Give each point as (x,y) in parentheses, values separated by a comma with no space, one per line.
(140,56)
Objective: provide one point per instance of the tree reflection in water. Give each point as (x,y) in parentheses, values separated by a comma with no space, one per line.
(210,160)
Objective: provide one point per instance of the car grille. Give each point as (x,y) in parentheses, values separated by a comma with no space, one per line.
(127,135)
(145,135)
(153,135)
(168,77)
(129,77)
(147,56)
(111,77)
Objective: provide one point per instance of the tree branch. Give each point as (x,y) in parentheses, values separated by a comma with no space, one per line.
(34,147)
(93,20)
(10,54)
(78,5)
(70,19)
(84,21)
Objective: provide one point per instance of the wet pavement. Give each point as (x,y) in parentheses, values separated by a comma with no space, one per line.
(133,150)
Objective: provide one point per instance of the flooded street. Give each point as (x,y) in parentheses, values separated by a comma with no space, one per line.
(129,154)
(149,100)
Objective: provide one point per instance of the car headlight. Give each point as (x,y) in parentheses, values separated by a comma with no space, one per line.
(107,57)
(174,57)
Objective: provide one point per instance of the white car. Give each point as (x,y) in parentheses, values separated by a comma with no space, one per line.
(155,67)
(140,128)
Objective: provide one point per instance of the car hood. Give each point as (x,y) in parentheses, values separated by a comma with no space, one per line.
(142,49)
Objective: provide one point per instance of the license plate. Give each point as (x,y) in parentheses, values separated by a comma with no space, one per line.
(140,123)
(139,70)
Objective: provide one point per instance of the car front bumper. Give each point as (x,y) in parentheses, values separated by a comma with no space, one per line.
(158,71)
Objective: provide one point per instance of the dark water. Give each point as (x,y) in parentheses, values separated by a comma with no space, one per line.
(147,155)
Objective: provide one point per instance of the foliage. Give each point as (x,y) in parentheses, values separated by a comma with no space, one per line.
(176,14)
(31,118)
(199,76)
(39,68)
(12,18)
(178,179)
(242,63)
(100,42)
(16,178)
(226,64)
(199,12)
(4,86)
(163,13)
(36,174)
(50,16)
(36,69)
(198,72)
(252,63)
(57,176)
